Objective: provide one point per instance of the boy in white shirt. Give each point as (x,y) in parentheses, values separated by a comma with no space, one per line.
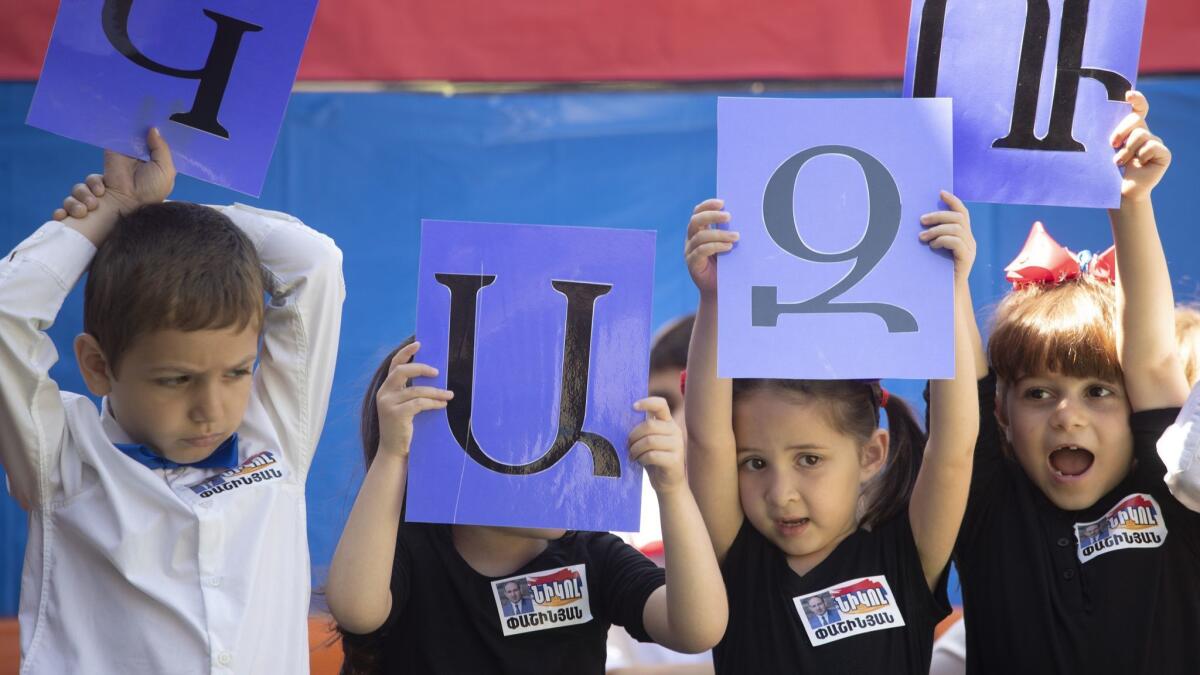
(167,529)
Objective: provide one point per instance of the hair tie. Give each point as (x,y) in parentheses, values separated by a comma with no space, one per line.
(683,382)
(883,397)
(1043,260)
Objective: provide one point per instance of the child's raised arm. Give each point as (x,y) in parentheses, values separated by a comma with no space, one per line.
(939,496)
(689,613)
(34,281)
(359,584)
(711,448)
(1146,307)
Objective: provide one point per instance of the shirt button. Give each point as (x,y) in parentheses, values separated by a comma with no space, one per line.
(214,581)
(206,505)
(1069,574)
(1064,542)
(224,658)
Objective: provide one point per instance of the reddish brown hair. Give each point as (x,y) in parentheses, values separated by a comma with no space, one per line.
(1066,329)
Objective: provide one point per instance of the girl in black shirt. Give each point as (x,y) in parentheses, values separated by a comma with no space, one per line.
(832,533)
(420,598)
(1074,556)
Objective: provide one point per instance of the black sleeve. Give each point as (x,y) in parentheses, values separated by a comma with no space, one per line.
(899,543)
(625,580)
(1147,427)
(987,471)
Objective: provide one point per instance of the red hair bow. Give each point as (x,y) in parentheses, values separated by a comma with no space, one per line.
(1045,261)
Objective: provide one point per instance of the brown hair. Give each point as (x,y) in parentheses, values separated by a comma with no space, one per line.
(669,349)
(853,408)
(1187,337)
(174,265)
(1066,328)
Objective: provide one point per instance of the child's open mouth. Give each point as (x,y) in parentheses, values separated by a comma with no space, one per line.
(1071,461)
(791,527)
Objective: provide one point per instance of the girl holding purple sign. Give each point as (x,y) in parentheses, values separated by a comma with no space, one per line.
(1074,556)
(435,598)
(834,534)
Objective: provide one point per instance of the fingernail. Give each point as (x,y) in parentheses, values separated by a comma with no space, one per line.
(435,372)
(735,236)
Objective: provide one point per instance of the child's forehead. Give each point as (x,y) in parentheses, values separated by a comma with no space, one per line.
(194,349)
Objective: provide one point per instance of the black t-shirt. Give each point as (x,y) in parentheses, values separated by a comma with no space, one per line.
(448,618)
(1114,588)
(868,586)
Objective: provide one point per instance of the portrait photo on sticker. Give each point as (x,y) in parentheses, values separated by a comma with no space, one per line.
(514,596)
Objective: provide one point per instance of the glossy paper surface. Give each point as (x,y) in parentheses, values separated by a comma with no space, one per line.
(984,48)
(92,92)
(522,444)
(896,320)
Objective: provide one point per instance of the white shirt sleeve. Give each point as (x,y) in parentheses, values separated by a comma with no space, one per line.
(1178,448)
(301,326)
(35,279)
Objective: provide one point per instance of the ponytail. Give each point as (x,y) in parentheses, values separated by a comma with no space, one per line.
(888,494)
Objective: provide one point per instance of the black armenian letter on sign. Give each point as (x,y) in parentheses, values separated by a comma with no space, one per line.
(1021,133)
(883,224)
(577,347)
(213,77)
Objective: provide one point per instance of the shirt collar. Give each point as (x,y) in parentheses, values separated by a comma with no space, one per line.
(224,457)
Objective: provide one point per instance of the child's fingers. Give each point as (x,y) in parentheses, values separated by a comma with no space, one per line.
(943,230)
(1137,99)
(434,393)
(1153,150)
(712,204)
(709,237)
(404,372)
(663,448)
(705,220)
(655,407)
(941,217)
(419,405)
(83,194)
(95,183)
(706,251)
(1133,143)
(953,244)
(404,355)
(955,204)
(59,214)
(160,152)
(74,207)
(653,428)
(1128,124)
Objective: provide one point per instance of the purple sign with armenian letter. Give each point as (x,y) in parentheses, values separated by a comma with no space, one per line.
(213,75)
(829,279)
(543,335)
(1038,89)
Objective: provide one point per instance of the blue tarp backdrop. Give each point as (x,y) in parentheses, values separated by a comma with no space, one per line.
(365,168)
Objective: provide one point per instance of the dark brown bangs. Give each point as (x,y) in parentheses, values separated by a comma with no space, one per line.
(1067,329)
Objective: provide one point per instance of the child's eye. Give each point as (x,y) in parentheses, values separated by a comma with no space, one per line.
(1100,391)
(808,461)
(753,464)
(1037,393)
(176,381)
(239,373)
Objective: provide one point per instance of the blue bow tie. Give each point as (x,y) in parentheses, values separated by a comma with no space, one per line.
(224,457)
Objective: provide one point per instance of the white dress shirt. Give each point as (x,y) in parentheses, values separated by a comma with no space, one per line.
(133,570)
(1179,449)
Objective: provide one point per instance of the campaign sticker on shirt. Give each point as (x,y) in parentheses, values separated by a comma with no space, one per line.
(850,608)
(543,600)
(260,468)
(1136,522)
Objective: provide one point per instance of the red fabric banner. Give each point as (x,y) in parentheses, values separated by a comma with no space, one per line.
(579,40)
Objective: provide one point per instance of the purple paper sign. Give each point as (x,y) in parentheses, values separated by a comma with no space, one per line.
(829,279)
(1038,89)
(543,335)
(214,76)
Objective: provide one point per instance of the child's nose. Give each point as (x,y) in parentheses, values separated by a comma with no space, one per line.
(206,405)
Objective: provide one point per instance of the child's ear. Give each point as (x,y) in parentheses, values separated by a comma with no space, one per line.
(873,456)
(1002,411)
(92,365)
